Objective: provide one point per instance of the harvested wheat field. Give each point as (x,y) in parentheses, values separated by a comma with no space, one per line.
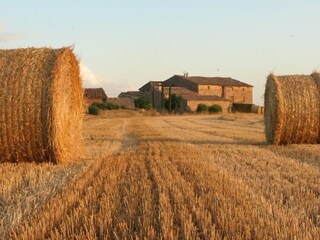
(173,177)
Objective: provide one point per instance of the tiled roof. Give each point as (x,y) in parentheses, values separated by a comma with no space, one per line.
(95,93)
(150,85)
(130,94)
(223,81)
(180,91)
(122,94)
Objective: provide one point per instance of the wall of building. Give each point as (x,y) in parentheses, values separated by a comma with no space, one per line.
(126,102)
(193,104)
(237,94)
(188,105)
(156,100)
(177,81)
(89,101)
(210,90)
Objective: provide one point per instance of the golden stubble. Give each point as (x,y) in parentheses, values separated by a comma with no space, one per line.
(186,177)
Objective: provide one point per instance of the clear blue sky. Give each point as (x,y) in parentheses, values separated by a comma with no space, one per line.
(124,44)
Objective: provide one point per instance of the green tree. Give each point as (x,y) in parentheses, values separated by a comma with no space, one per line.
(143,102)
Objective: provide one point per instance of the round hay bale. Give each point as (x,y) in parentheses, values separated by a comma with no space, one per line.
(41,99)
(292,109)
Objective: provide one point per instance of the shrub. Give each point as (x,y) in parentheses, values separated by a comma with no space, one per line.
(107,106)
(215,108)
(110,106)
(94,109)
(202,108)
(95,104)
(143,102)
(148,106)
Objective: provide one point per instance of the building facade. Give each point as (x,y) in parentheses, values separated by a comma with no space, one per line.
(92,95)
(196,89)
(226,88)
(191,99)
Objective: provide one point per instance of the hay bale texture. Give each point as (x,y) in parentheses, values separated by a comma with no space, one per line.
(41,105)
(292,109)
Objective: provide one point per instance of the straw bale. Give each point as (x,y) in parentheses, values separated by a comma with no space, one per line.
(40,105)
(292,109)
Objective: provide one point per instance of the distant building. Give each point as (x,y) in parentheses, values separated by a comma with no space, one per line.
(127,103)
(191,99)
(130,94)
(223,87)
(223,91)
(126,99)
(92,95)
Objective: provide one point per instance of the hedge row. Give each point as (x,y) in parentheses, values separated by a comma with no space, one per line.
(95,108)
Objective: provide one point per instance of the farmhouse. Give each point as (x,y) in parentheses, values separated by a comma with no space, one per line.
(196,89)
(191,98)
(223,87)
(92,95)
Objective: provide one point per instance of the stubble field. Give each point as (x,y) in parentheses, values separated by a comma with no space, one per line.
(174,177)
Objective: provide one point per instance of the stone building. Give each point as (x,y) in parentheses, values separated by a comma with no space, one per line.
(191,98)
(92,95)
(195,90)
(123,102)
(225,88)
(126,99)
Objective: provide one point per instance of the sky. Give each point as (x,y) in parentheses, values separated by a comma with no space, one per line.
(121,45)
